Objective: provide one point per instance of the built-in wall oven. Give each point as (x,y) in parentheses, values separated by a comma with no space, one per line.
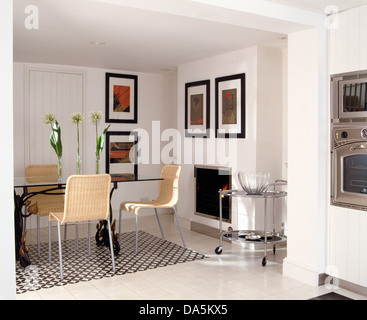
(349,97)
(349,166)
(349,140)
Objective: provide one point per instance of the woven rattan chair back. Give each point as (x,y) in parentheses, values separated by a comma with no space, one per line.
(87,198)
(45,203)
(169,186)
(48,170)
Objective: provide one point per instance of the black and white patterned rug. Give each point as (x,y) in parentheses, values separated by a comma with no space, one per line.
(153,252)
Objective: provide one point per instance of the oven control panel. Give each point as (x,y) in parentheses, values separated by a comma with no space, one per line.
(349,134)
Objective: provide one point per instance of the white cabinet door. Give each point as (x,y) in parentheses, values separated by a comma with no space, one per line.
(347,41)
(61,93)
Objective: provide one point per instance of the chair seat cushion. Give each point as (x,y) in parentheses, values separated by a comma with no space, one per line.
(135,206)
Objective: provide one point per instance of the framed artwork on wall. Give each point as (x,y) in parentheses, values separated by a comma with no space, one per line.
(230,113)
(121,154)
(197,109)
(121,98)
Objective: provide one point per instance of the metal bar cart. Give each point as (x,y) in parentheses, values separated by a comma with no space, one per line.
(254,236)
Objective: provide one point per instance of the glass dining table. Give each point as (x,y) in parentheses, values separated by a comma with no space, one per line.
(51,185)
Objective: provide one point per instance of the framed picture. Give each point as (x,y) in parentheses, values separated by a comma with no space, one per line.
(230,117)
(197,109)
(121,153)
(121,98)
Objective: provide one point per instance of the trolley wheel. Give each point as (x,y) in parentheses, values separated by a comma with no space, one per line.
(263,262)
(218,250)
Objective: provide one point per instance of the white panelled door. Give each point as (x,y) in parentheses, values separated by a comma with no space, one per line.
(61,93)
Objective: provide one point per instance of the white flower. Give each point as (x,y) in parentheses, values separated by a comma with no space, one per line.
(48,118)
(76,117)
(95,116)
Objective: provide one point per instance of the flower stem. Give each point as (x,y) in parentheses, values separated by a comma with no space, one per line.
(77,131)
(52,131)
(58,157)
(97,163)
(59,166)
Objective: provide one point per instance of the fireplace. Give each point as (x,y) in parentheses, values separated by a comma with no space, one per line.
(209,180)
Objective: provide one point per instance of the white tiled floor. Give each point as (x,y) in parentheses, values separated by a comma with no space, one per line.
(236,274)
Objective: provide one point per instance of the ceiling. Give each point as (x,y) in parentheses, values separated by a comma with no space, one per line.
(151,35)
(321,6)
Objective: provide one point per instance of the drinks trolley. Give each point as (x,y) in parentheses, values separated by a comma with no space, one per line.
(265,237)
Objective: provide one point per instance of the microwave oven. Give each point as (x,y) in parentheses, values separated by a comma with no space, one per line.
(349,96)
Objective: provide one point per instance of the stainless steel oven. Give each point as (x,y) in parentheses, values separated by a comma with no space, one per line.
(349,96)
(349,166)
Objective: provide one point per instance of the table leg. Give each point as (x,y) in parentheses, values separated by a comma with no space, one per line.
(102,235)
(21,249)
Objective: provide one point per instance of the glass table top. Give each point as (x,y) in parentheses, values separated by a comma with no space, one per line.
(20,182)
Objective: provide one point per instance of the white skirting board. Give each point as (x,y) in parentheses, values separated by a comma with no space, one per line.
(300,272)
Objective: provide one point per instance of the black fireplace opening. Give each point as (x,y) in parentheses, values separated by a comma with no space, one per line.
(209,180)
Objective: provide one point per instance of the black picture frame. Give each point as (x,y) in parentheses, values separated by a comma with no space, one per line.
(230,106)
(123,106)
(197,99)
(118,143)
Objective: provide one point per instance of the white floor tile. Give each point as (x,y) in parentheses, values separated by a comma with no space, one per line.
(55,293)
(253,293)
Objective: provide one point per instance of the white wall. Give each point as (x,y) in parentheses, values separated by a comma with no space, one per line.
(307,196)
(263,68)
(270,155)
(347,229)
(227,64)
(7,265)
(156,98)
(269,110)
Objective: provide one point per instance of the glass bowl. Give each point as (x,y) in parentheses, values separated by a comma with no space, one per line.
(254,183)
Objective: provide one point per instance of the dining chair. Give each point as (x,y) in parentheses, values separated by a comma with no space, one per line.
(43,204)
(87,198)
(167,198)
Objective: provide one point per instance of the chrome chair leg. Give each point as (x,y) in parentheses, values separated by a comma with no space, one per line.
(119,224)
(111,246)
(136,233)
(60,250)
(89,232)
(49,241)
(179,226)
(38,237)
(159,223)
(76,238)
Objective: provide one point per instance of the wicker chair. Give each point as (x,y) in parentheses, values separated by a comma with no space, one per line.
(167,198)
(87,198)
(45,202)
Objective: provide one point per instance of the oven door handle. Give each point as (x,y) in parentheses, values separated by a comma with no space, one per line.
(361,146)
